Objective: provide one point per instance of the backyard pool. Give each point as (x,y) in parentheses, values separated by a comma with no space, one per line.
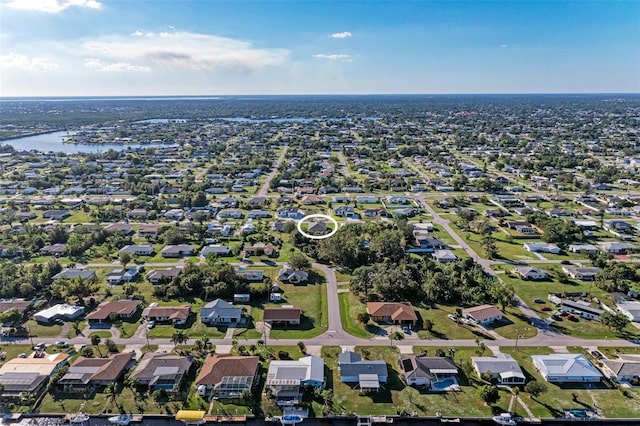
(445,385)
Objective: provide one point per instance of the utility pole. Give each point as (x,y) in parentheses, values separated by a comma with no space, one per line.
(517,333)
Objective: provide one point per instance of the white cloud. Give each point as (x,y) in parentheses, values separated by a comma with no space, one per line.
(334,57)
(183,50)
(98,65)
(504,45)
(137,33)
(51,6)
(344,34)
(22,62)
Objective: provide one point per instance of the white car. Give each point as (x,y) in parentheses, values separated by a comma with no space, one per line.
(452,317)
(151,324)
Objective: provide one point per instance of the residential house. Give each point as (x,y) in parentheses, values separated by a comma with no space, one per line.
(626,368)
(566,368)
(290,213)
(427,244)
(56,214)
(57,250)
(483,314)
(241,297)
(119,276)
(434,372)
(60,311)
(346,211)
(88,373)
(258,249)
(250,274)
(162,371)
(538,247)
(531,273)
(178,250)
(227,376)
(615,247)
(581,308)
(587,248)
(137,249)
(293,276)
(287,379)
(110,309)
(394,312)
(159,275)
(20,305)
(368,374)
(258,214)
(220,312)
(124,228)
(230,214)
(444,256)
(501,367)
(149,230)
(284,315)
(20,376)
(583,273)
(630,309)
(175,315)
(216,249)
(72,273)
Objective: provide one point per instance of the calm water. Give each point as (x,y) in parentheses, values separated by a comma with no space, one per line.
(54,142)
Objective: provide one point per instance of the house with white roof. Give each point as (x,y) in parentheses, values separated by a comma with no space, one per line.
(566,368)
(537,247)
(630,309)
(286,379)
(62,311)
(501,367)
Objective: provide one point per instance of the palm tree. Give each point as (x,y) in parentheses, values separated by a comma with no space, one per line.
(179,337)
(207,343)
(95,341)
(111,394)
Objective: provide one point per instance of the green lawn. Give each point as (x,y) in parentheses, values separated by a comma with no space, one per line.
(395,395)
(39,330)
(550,403)
(350,307)
(444,328)
(514,323)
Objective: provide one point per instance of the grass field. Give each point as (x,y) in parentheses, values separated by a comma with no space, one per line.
(350,307)
(395,396)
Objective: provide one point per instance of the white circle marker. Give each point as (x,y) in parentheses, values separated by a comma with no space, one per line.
(319,216)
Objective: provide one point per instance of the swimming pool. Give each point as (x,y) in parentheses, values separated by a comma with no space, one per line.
(443,384)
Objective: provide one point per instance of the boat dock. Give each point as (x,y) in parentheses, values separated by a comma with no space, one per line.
(225,419)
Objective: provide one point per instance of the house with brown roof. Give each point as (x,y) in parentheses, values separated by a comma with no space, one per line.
(162,371)
(87,373)
(176,315)
(285,315)
(483,314)
(227,376)
(120,308)
(393,312)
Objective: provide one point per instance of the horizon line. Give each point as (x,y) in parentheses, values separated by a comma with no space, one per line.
(321,94)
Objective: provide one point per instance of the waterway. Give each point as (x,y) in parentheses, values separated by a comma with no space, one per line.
(55,142)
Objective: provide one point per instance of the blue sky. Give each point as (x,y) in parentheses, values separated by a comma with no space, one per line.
(163,47)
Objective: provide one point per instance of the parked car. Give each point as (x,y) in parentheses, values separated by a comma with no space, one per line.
(151,324)
(22,355)
(62,344)
(597,354)
(545,308)
(452,317)
(556,317)
(538,300)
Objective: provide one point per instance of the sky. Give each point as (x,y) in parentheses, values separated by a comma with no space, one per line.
(214,47)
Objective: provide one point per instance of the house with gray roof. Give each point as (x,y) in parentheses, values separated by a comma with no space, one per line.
(368,374)
(501,367)
(220,312)
(566,368)
(624,369)
(71,273)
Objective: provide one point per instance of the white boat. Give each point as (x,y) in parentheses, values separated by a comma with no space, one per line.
(290,419)
(505,419)
(121,420)
(79,418)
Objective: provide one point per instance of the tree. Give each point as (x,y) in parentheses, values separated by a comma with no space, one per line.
(503,293)
(299,261)
(535,388)
(12,317)
(617,321)
(111,346)
(179,338)
(95,341)
(111,393)
(427,325)
(302,346)
(488,393)
(86,352)
(396,335)
(489,246)
(125,258)
(363,318)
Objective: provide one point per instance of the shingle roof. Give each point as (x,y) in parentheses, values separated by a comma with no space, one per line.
(394,310)
(120,307)
(216,367)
